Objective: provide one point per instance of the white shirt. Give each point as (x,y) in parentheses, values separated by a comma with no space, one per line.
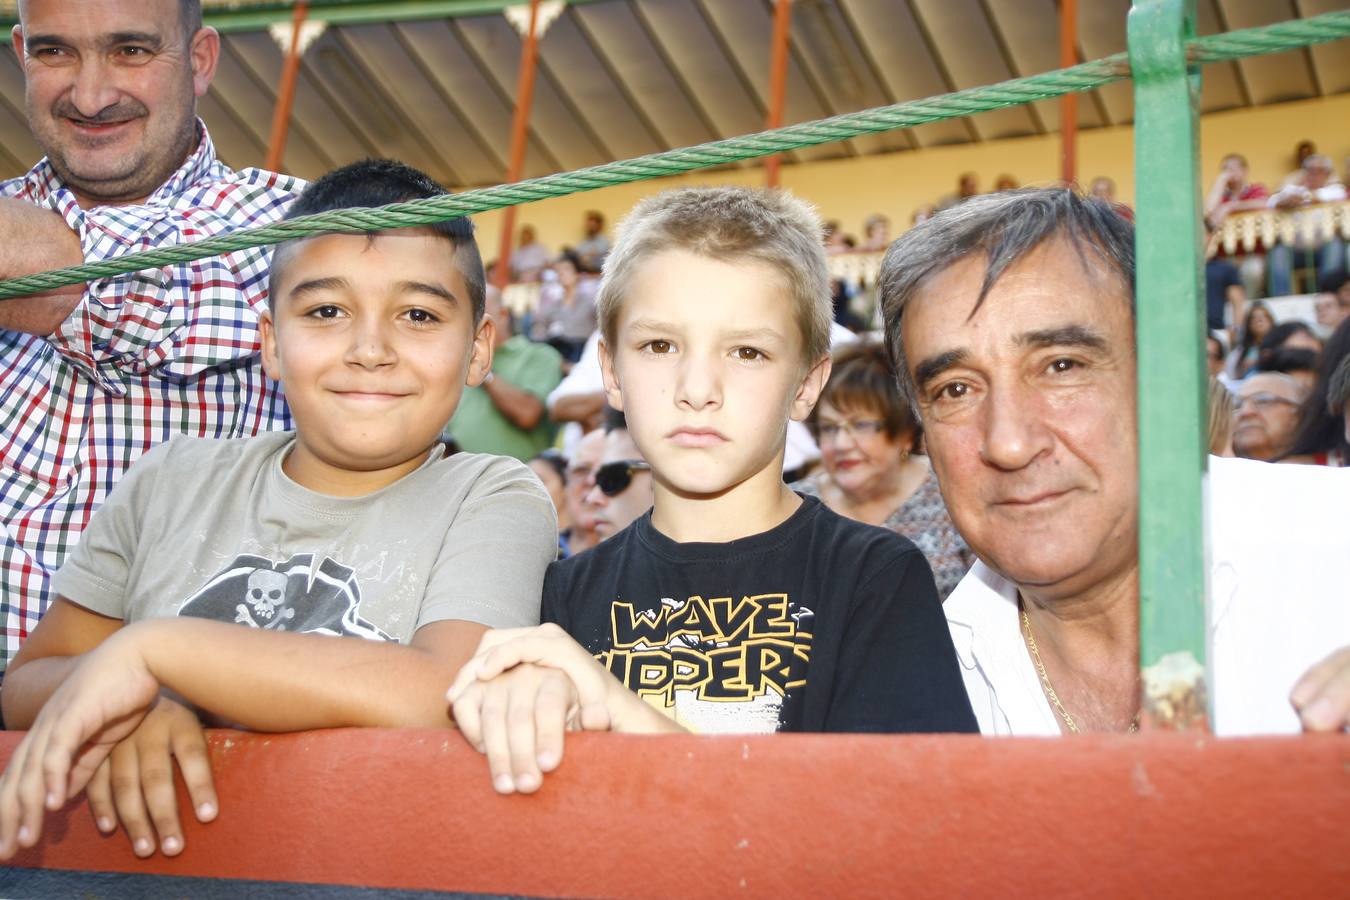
(1279,602)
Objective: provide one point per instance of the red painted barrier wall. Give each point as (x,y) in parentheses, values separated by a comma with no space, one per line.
(796,815)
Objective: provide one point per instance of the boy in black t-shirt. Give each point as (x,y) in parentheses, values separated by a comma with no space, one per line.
(735,605)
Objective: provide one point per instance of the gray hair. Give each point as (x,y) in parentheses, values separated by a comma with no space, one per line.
(1004,228)
(730,224)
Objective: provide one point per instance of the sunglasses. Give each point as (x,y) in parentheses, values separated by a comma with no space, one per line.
(614,478)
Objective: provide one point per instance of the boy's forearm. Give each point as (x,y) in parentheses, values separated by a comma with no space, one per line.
(278,681)
(28,687)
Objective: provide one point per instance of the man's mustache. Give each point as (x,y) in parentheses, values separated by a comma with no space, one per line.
(119,112)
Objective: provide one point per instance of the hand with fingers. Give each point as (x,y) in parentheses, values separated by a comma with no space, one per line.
(99,705)
(135,786)
(1322,695)
(524,688)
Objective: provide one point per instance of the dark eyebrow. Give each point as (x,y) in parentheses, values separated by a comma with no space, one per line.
(320,284)
(426,287)
(934,366)
(121,37)
(1067,336)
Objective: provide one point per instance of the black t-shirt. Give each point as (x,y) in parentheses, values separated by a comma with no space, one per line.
(819,624)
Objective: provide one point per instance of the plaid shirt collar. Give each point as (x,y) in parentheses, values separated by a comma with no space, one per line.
(42,182)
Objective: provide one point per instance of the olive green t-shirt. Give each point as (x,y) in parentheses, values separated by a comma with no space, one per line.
(479,427)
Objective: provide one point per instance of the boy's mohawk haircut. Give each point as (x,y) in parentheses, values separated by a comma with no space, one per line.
(728,224)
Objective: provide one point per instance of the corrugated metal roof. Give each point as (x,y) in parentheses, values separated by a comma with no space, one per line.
(619,78)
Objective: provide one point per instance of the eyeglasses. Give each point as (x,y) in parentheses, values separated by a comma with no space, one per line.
(613,478)
(1261,401)
(863,428)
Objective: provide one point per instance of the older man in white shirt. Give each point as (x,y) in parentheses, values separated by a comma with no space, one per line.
(1010,320)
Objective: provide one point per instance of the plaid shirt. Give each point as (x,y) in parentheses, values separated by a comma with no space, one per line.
(142,357)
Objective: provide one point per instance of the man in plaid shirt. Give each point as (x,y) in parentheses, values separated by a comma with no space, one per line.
(93,376)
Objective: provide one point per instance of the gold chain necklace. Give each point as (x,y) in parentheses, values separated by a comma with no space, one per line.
(1049,688)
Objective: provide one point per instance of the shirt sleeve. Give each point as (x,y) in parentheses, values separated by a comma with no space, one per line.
(899,672)
(492,561)
(541,372)
(585,377)
(97,573)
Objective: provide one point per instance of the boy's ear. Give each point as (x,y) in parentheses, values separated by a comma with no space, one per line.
(613,391)
(480,359)
(267,332)
(808,392)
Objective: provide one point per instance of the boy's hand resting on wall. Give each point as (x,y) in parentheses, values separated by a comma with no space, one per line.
(524,688)
(134,785)
(101,703)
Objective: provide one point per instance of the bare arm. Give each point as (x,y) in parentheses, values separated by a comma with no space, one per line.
(33,239)
(521,408)
(66,631)
(577,407)
(277,681)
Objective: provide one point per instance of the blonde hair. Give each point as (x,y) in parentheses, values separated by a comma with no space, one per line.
(728,224)
(1220,419)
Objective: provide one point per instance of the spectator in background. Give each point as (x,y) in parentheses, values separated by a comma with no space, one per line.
(1255,327)
(1220,418)
(923,213)
(1321,438)
(551,468)
(593,249)
(1265,415)
(868,437)
(1298,363)
(876,233)
(967,186)
(1103,188)
(1326,255)
(580,534)
(1216,346)
(621,488)
(505,415)
(1332,305)
(1338,400)
(1302,150)
(530,257)
(579,399)
(1005,183)
(1291,335)
(565,314)
(1225,295)
(1231,193)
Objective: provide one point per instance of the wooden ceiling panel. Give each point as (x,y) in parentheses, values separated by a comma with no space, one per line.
(1330,62)
(594,92)
(892,36)
(689,43)
(460,157)
(1101,33)
(1029,32)
(971,56)
(559,127)
(829,49)
(639,64)
(1275,77)
(336,136)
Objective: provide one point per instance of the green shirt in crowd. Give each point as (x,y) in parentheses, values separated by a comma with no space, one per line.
(479,427)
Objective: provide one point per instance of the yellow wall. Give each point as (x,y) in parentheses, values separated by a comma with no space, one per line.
(897,183)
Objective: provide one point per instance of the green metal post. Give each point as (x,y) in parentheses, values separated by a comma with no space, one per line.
(1173,563)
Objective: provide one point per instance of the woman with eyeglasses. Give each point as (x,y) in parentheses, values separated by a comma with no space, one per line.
(868,439)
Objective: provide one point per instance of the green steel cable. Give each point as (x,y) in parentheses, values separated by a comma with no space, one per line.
(1214,48)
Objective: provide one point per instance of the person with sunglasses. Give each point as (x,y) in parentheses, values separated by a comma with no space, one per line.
(735,605)
(621,489)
